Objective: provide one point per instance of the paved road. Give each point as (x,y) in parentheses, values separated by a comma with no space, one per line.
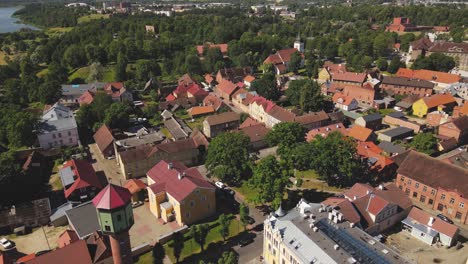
(109,167)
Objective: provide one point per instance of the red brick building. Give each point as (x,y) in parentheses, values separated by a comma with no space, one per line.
(457,128)
(434,183)
(403,85)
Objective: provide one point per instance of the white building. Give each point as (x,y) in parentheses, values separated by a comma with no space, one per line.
(57,128)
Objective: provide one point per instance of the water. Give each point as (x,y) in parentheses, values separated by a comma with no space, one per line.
(8,23)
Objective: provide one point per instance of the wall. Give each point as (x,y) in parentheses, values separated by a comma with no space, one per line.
(68,137)
(204,205)
(401,122)
(404,90)
(450,130)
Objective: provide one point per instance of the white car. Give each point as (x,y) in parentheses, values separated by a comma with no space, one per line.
(220,185)
(6,244)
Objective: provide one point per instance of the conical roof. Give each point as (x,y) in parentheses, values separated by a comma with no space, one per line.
(111,197)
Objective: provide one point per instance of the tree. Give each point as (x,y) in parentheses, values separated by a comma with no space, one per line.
(199,233)
(158,253)
(435,62)
(193,64)
(425,143)
(293,93)
(266,87)
(395,64)
(49,92)
(57,72)
(286,135)
(212,59)
(121,67)
(382,64)
(223,222)
(382,44)
(9,168)
(244,215)
(228,157)
(74,56)
(269,181)
(95,72)
(295,62)
(228,258)
(146,69)
(311,98)
(117,116)
(177,245)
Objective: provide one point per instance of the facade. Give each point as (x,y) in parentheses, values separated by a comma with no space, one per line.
(440,79)
(437,102)
(372,121)
(71,93)
(217,124)
(457,129)
(326,74)
(436,184)
(405,86)
(79,180)
(57,128)
(226,89)
(399,119)
(312,233)
(181,194)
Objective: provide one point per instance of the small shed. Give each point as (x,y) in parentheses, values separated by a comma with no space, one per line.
(395,134)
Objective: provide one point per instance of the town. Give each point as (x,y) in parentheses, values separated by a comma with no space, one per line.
(227,132)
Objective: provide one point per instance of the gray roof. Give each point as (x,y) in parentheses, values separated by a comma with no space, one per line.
(79,89)
(397,114)
(391,148)
(403,104)
(83,219)
(404,81)
(397,131)
(60,211)
(67,176)
(48,126)
(372,117)
(423,228)
(154,137)
(177,128)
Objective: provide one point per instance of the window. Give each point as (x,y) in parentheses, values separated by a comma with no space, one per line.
(402,178)
(119,218)
(442,197)
(192,203)
(416,185)
(423,235)
(107,228)
(422,199)
(433,192)
(458,215)
(452,201)
(415,194)
(461,205)
(401,187)
(431,201)
(53,136)
(424,188)
(69,133)
(407,191)
(410,181)
(61,142)
(70,140)
(187,214)
(203,198)
(59,135)
(440,207)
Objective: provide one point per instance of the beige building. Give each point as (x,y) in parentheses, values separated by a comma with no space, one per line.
(217,124)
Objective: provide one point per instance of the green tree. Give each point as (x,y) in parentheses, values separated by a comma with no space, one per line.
(193,64)
(382,64)
(266,87)
(395,64)
(223,222)
(295,62)
(382,44)
(286,135)
(85,117)
(117,116)
(74,56)
(177,245)
(9,168)
(293,93)
(228,157)
(158,253)
(435,62)
(121,67)
(49,92)
(269,181)
(146,69)
(228,258)
(95,72)
(199,233)
(213,59)
(101,103)
(311,98)
(57,72)
(425,143)
(244,215)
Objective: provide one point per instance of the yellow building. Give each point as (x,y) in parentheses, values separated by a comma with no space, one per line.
(181,194)
(439,102)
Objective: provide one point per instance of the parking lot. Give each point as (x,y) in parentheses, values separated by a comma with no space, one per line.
(38,239)
(108,167)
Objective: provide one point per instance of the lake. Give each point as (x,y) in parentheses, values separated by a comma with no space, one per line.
(9,23)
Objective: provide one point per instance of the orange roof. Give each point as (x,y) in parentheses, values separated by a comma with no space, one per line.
(201,110)
(360,133)
(249,78)
(222,47)
(135,185)
(350,77)
(358,190)
(371,151)
(428,75)
(438,99)
(325,130)
(460,110)
(249,122)
(227,87)
(347,100)
(438,225)
(66,238)
(376,204)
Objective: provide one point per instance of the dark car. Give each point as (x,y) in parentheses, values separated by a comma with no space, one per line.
(444,218)
(245,241)
(229,191)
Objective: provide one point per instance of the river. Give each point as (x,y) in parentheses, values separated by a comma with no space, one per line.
(9,23)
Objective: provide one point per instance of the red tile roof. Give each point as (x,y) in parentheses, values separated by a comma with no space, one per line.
(280,57)
(135,185)
(342,99)
(334,68)
(423,43)
(376,204)
(66,238)
(167,179)
(114,89)
(214,101)
(103,137)
(428,75)
(358,190)
(256,132)
(370,150)
(111,197)
(249,78)
(86,98)
(439,225)
(86,176)
(249,122)
(227,87)
(449,47)
(170,97)
(350,77)
(438,99)
(75,253)
(201,110)
(360,133)
(222,47)
(185,79)
(345,207)
(209,78)
(266,104)
(325,130)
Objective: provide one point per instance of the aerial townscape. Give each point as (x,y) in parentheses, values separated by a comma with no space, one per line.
(240,131)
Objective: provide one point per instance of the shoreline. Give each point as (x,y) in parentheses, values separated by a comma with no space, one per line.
(20,22)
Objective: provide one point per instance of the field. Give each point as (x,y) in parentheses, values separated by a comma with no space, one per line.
(311,181)
(108,74)
(55,31)
(88,18)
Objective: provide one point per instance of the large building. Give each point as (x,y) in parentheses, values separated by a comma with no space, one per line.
(439,102)
(312,233)
(404,85)
(79,180)
(217,124)
(458,51)
(57,128)
(436,184)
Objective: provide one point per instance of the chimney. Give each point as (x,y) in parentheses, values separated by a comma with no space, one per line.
(355,197)
(431,221)
(170,166)
(180,176)
(381,187)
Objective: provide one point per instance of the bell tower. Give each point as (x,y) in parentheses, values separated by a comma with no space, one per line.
(115,215)
(298,44)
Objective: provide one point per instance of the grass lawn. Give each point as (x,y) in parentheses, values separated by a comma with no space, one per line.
(2,58)
(56,31)
(311,181)
(88,18)
(197,123)
(42,72)
(108,74)
(245,191)
(387,111)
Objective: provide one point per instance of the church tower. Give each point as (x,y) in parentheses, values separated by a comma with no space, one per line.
(115,215)
(298,44)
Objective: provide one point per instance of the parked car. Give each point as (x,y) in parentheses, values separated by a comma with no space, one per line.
(444,218)
(229,191)
(6,244)
(245,241)
(220,185)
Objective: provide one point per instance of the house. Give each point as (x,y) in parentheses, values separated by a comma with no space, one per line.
(86,98)
(118,92)
(210,81)
(457,157)
(384,103)
(435,183)
(365,94)
(350,78)
(74,253)
(401,24)
(29,214)
(141,137)
(391,149)
(226,89)
(417,48)
(325,130)
(405,85)
(361,133)
(242,98)
(329,68)
(399,119)
(439,102)
(313,119)
(382,167)
(345,102)
(175,104)
(190,90)
(79,180)
(185,80)
(393,134)
(215,102)
(71,93)
(371,121)
(457,129)
(459,90)
(197,111)
(217,124)
(459,111)
(57,128)
(99,248)
(441,79)
(256,132)
(458,51)
(201,49)
(280,60)
(248,80)
(429,229)
(66,238)
(181,194)
(137,189)
(83,219)
(177,128)
(105,141)
(233,75)
(136,162)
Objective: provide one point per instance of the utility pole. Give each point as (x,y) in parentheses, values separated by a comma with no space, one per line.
(47,240)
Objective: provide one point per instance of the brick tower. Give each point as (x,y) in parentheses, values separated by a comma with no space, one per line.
(115,214)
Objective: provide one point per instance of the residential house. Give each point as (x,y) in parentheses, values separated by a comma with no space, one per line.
(325,130)
(459,111)
(371,121)
(142,137)
(242,98)
(404,86)
(79,180)
(105,141)
(429,229)
(313,119)
(329,68)
(459,90)
(226,89)
(57,128)
(234,75)
(198,111)
(401,24)
(177,127)
(217,124)
(201,49)
(417,48)
(365,94)
(256,132)
(436,184)
(382,167)
(456,128)
(136,162)
(215,102)
(396,133)
(436,102)
(350,78)
(441,79)
(186,80)
(248,80)
(458,51)
(399,119)
(118,92)
(175,104)
(280,60)
(66,238)
(391,149)
(361,133)
(384,103)
(71,93)
(181,194)
(191,90)
(86,98)
(137,189)
(83,219)
(457,157)
(345,102)
(210,81)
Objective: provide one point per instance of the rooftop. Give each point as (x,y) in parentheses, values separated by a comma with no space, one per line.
(420,219)
(112,197)
(83,219)
(151,138)
(397,131)
(407,81)
(432,76)
(222,118)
